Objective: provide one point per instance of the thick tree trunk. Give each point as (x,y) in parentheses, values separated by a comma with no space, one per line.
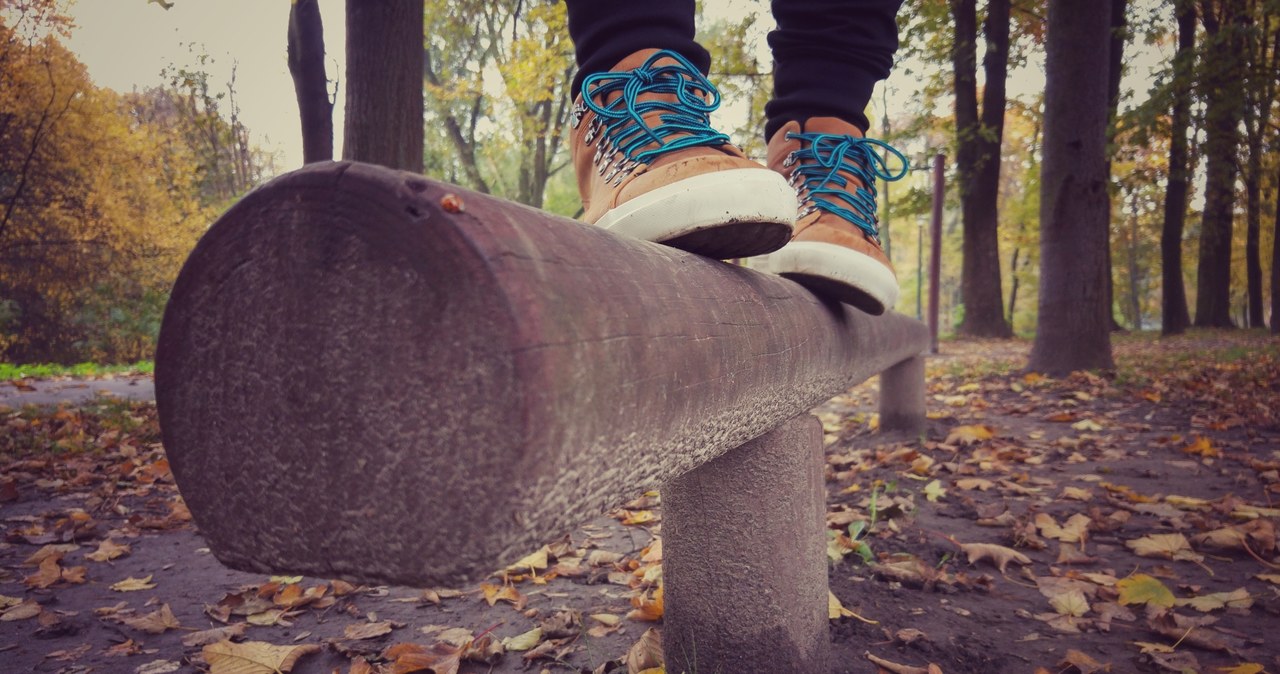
(1174,317)
(306,65)
(384,83)
(1224,94)
(1275,267)
(978,159)
(1253,233)
(1074,329)
(1115,70)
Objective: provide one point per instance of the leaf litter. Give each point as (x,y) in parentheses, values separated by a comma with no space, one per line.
(1084,523)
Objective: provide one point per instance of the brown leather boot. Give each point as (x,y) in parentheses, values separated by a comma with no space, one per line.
(650,166)
(835,251)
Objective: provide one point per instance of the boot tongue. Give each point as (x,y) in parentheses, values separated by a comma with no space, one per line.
(831,125)
(653,118)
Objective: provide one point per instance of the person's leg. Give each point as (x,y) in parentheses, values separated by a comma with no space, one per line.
(606,31)
(649,164)
(828,56)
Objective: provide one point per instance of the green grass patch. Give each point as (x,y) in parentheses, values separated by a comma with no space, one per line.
(12,371)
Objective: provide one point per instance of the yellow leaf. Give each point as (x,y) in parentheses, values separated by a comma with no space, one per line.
(1088,425)
(607,619)
(1072,603)
(108,550)
(1143,589)
(968,435)
(286,580)
(1075,530)
(645,608)
(27,609)
(969,483)
(1150,647)
(1168,546)
(1202,447)
(367,630)
(1273,578)
(998,554)
(1077,494)
(523,642)
(536,560)
(1244,668)
(934,491)
(634,517)
(253,657)
(1237,598)
(495,593)
(133,584)
(836,610)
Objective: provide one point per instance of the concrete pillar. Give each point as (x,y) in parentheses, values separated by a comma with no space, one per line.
(744,562)
(902,405)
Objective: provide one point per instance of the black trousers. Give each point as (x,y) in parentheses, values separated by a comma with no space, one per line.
(828,54)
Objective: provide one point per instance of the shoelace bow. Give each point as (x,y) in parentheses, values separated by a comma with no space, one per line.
(821,163)
(622,119)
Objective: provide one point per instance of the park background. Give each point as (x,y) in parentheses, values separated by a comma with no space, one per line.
(119,151)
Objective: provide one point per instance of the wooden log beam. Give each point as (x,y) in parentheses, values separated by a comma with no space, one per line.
(365,374)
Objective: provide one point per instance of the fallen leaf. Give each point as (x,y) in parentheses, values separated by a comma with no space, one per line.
(48,574)
(968,435)
(69,654)
(205,637)
(1074,530)
(1071,603)
(535,561)
(970,483)
(645,653)
(647,608)
(1244,668)
(253,657)
(934,490)
(1077,494)
(523,642)
(836,610)
(495,593)
(133,584)
(108,550)
(1084,663)
(1168,546)
(1143,589)
(156,622)
(27,609)
(367,630)
(1087,425)
(57,550)
(998,554)
(1238,598)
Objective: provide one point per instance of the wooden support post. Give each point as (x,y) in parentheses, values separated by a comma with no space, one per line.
(744,563)
(902,399)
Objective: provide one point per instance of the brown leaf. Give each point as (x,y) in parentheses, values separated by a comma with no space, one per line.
(647,608)
(368,630)
(48,573)
(55,550)
(1083,663)
(998,554)
(645,653)
(253,657)
(156,622)
(205,637)
(27,609)
(108,550)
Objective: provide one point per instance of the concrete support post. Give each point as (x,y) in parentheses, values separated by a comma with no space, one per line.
(744,562)
(902,405)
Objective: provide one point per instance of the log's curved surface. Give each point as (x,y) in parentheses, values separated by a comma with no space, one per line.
(365,374)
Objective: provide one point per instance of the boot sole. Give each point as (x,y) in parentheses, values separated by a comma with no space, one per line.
(838,273)
(725,214)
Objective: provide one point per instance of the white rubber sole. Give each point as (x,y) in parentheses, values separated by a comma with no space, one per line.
(839,273)
(703,202)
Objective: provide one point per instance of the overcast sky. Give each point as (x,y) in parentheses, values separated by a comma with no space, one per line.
(126,43)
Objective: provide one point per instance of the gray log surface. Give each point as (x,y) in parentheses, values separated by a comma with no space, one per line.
(355,382)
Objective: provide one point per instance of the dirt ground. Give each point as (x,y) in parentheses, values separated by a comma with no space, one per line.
(1120,522)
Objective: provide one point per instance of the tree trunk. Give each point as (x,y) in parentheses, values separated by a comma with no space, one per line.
(1115,70)
(1222,81)
(1135,273)
(1174,317)
(310,83)
(384,83)
(1275,267)
(1013,285)
(978,160)
(1264,59)
(1253,232)
(1074,329)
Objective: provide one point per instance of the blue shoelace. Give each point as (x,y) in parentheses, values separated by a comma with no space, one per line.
(822,161)
(622,119)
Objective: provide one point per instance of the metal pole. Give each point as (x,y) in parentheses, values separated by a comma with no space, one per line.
(935,259)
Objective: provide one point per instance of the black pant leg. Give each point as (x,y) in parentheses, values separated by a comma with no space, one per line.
(607,31)
(828,56)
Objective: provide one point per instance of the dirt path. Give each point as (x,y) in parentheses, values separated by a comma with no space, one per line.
(1069,475)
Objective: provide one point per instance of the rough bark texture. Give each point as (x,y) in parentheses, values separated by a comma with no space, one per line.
(356,359)
(902,396)
(1264,68)
(310,84)
(1221,80)
(978,160)
(1175,317)
(744,564)
(1115,71)
(1275,267)
(384,83)
(1074,332)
